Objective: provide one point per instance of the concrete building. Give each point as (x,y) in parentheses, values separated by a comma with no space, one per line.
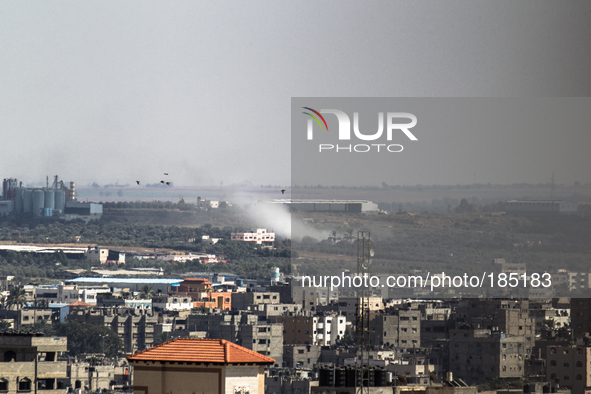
(70,293)
(288,385)
(199,365)
(24,318)
(580,310)
(83,210)
(338,206)
(541,207)
(401,329)
(96,254)
(134,327)
(172,303)
(301,356)
(317,330)
(348,306)
(265,339)
(569,366)
(508,317)
(260,237)
(31,362)
(247,301)
(480,355)
(207,203)
(133,284)
(501,265)
(98,377)
(207,240)
(268,311)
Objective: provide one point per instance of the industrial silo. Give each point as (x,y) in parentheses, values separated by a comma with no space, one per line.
(60,200)
(27,200)
(49,200)
(18,202)
(38,201)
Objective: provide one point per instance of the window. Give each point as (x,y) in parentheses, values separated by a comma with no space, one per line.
(552,363)
(24,385)
(3,384)
(579,364)
(9,356)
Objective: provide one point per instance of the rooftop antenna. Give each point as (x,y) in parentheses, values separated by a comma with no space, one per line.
(364,254)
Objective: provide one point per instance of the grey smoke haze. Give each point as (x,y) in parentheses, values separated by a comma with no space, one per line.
(276,218)
(118,91)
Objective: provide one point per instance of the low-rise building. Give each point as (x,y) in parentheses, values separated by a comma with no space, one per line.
(317,330)
(260,236)
(199,365)
(30,359)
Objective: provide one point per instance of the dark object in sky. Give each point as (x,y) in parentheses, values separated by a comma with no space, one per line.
(168,183)
(282,191)
(161,181)
(166,173)
(138,182)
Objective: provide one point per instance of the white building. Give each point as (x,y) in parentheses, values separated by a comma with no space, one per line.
(203,257)
(97,255)
(170,303)
(207,204)
(327,329)
(260,236)
(206,239)
(67,294)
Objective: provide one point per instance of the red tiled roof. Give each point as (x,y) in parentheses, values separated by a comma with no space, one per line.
(79,303)
(201,351)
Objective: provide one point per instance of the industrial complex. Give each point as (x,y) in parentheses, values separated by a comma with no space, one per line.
(56,201)
(347,206)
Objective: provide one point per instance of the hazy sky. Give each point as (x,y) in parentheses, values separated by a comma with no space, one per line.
(111,91)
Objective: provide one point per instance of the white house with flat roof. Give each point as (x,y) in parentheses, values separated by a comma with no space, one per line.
(260,236)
